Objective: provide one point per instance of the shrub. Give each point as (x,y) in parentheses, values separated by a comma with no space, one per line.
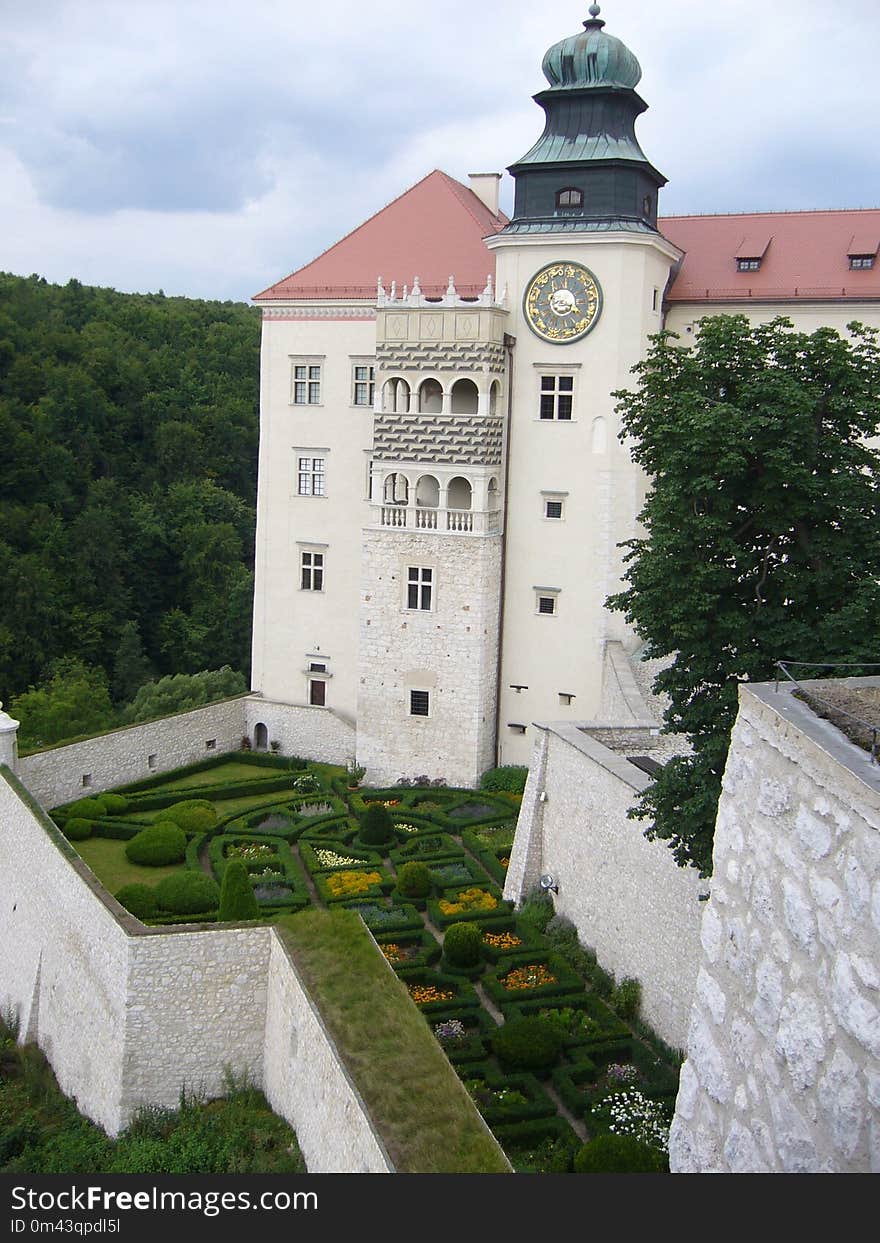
(527,1044)
(237,899)
(537,911)
(187,893)
(114,804)
(376,825)
(619,1154)
(463,945)
(77,829)
(87,808)
(414,880)
(510,777)
(627,999)
(157,845)
(140,900)
(194,815)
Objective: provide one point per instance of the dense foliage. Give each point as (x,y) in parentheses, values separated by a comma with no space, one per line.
(509,777)
(157,845)
(762,532)
(527,1044)
(619,1154)
(128,448)
(463,944)
(237,899)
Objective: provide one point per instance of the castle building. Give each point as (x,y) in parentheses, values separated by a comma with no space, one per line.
(442,489)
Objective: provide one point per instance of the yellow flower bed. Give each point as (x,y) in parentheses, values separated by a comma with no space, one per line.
(351,884)
(501,940)
(472,899)
(422,994)
(532,976)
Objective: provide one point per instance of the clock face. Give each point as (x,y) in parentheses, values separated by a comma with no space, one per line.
(562,302)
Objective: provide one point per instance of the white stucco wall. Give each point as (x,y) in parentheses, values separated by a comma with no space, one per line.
(627,896)
(783,1068)
(57,775)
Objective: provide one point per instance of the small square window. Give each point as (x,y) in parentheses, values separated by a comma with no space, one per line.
(317,692)
(363,379)
(547,605)
(311,571)
(419,588)
(557,397)
(211,744)
(566,698)
(419,703)
(86,780)
(306,384)
(553,509)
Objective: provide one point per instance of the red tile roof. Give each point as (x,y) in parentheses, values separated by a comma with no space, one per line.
(805,256)
(434,230)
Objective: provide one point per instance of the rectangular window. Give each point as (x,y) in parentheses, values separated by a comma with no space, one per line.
(557,396)
(310,476)
(419,587)
(211,744)
(364,384)
(860,262)
(86,780)
(419,703)
(316,667)
(547,605)
(748,265)
(516,726)
(317,693)
(151,761)
(553,509)
(307,384)
(311,571)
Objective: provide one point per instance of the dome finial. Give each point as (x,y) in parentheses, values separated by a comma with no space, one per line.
(595,23)
(594,10)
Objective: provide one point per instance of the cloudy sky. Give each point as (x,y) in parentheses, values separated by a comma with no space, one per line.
(209,147)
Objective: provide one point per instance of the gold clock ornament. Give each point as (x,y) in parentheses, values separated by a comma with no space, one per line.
(562,302)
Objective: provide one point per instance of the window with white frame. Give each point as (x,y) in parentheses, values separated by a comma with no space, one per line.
(553,505)
(311,476)
(363,384)
(419,587)
(311,571)
(553,509)
(306,382)
(420,703)
(557,397)
(546,601)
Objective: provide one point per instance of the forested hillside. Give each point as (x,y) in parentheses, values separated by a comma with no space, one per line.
(128,455)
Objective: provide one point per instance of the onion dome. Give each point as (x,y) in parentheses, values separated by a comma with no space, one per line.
(591,59)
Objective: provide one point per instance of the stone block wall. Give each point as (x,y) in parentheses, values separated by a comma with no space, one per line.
(627,896)
(63,773)
(783,1069)
(313,733)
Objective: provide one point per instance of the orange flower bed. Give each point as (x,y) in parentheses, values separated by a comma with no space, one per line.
(505,863)
(531,976)
(392,952)
(350,884)
(501,940)
(423,994)
(472,899)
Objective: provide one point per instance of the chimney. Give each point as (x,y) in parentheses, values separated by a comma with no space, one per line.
(485,187)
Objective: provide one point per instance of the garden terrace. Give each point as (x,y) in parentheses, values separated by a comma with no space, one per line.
(299,830)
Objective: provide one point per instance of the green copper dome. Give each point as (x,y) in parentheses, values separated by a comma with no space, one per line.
(591,59)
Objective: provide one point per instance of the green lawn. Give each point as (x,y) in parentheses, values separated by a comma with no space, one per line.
(426,1119)
(232,771)
(108,861)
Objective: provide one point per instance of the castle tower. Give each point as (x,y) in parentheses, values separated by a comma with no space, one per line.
(432,552)
(587,271)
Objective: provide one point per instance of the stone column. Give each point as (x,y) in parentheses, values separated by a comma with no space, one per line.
(8,742)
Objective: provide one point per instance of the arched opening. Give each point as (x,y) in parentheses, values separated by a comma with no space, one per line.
(465,397)
(492,494)
(430,397)
(261,737)
(396,490)
(569,199)
(494,394)
(600,436)
(428,492)
(459,493)
(395,397)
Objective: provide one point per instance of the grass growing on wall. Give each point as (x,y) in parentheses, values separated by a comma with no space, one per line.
(422,1112)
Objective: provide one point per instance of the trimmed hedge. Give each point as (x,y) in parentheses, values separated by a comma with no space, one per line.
(188,893)
(414,880)
(194,815)
(537,1103)
(384,916)
(463,945)
(86,809)
(619,1154)
(429,848)
(376,826)
(76,829)
(546,1146)
(347,884)
(424,950)
(462,993)
(565,980)
(527,1044)
(138,900)
(475,913)
(157,845)
(361,859)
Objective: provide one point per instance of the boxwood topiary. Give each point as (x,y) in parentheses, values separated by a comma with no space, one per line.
(114,804)
(619,1154)
(194,815)
(463,945)
(157,845)
(140,900)
(187,893)
(527,1044)
(77,829)
(414,880)
(88,808)
(237,900)
(376,825)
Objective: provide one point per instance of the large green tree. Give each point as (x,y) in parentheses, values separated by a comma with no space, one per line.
(762,531)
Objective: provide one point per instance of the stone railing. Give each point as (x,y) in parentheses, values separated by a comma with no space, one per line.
(446,521)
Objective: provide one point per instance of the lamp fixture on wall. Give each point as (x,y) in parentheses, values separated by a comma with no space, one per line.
(548,883)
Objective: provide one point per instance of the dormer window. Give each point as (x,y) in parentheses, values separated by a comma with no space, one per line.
(862,249)
(858,263)
(569,199)
(750,253)
(748,265)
